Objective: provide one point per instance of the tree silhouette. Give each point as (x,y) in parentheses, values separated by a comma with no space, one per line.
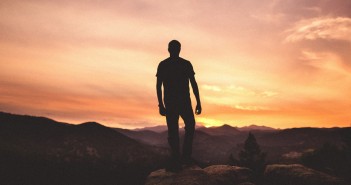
(252,157)
(332,159)
(329,158)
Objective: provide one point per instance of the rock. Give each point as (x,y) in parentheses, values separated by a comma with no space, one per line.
(246,183)
(228,175)
(279,174)
(212,175)
(188,176)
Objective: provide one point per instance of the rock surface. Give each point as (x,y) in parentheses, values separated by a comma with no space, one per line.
(228,175)
(212,175)
(279,174)
(275,174)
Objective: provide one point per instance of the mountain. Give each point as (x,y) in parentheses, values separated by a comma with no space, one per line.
(283,145)
(221,130)
(43,151)
(158,128)
(255,128)
(207,148)
(213,145)
(146,136)
(306,136)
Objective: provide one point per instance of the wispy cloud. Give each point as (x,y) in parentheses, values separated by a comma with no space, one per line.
(338,28)
(251,107)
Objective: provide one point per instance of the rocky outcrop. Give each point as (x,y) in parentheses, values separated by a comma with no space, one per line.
(228,175)
(279,174)
(276,174)
(212,175)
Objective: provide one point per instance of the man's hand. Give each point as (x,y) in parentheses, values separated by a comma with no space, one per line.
(162,110)
(198,109)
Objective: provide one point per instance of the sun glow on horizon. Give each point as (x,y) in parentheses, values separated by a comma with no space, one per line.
(206,122)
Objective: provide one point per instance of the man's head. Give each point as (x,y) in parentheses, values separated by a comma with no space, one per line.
(174,48)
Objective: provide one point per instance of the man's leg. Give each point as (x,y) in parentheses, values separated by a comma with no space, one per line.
(189,121)
(172,118)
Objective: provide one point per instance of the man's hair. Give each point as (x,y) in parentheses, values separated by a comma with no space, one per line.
(174,46)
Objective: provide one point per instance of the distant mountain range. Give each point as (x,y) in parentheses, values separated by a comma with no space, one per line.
(43,151)
(213,145)
(221,130)
(256,127)
(158,128)
(162,128)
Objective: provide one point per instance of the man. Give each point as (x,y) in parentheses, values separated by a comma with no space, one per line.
(174,73)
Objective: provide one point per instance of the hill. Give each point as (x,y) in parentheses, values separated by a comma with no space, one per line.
(42,151)
(213,145)
(255,128)
(158,128)
(221,130)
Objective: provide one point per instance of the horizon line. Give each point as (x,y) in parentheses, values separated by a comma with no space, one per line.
(136,128)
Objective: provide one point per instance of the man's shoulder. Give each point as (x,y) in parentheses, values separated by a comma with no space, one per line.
(184,60)
(164,61)
(169,60)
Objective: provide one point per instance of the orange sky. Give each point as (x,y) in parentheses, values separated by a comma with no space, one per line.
(271,62)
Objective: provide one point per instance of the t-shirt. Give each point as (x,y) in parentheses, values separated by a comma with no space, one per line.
(175,74)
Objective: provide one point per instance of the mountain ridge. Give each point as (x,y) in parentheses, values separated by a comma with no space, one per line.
(90,146)
(43,151)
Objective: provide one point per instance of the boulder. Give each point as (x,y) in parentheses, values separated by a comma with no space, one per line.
(246,183)
(293,174)
(228,175)
(193,175)
(188,176)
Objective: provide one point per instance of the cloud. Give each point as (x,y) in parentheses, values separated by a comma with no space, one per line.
(212,88)
(237,90)
(238,99)
(269,93)
(251,107)
(321,40)
(269,18)
(338,28)
(327,61)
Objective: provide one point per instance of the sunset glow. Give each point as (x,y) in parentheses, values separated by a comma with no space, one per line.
(274,63)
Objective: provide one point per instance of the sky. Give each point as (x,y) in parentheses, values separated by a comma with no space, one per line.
(278,63)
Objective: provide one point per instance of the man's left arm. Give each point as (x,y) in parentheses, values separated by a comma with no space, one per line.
(162,109)
(197,94)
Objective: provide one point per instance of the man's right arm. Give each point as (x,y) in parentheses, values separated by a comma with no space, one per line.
(162,108)
(197,95)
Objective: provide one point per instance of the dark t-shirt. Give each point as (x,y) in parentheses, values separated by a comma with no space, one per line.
(175,74)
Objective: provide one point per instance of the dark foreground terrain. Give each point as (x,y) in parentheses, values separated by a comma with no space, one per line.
(38,150)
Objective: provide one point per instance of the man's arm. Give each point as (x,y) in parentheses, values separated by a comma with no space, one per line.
(162,108)
(197,95)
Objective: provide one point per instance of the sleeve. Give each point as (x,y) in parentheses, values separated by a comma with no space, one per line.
(190,70)
(159,73)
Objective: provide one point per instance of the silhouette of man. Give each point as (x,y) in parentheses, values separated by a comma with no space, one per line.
(174,73)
